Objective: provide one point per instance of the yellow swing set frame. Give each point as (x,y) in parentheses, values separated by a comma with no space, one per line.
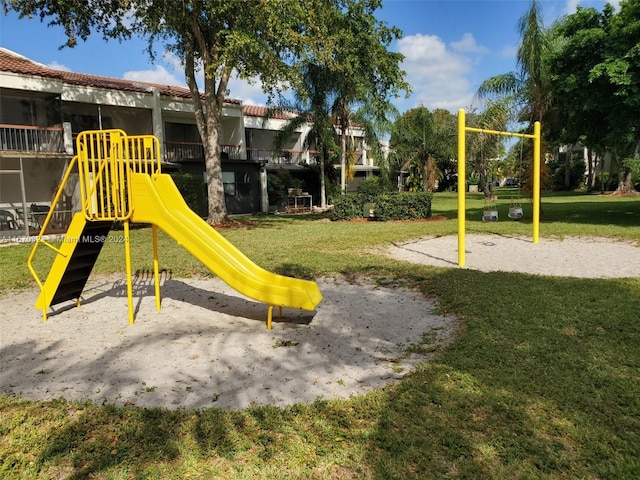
(462,131)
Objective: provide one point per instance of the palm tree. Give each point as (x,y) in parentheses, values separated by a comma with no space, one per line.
(312,105)
(374,123)
(421,140)
(483,149)
(528,88)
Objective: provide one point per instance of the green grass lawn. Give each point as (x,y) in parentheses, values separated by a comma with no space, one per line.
(543,380)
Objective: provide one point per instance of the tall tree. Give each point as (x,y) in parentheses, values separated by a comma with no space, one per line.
(376,125)
(312,105)
(595,73)
(484,150)
(359,80)
(269,41)
(420,140)
(221,38)
(366,75)
(527,89)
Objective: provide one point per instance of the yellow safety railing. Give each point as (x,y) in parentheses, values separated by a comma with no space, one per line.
(45,224)
(144,154)
(106,160)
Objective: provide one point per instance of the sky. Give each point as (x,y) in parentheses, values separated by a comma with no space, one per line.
(450,47)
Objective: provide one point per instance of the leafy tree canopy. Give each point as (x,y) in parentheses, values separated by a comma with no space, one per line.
(273,40)
(423,144)
(595,73)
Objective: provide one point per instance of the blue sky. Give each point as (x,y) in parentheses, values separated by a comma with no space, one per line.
(450,47)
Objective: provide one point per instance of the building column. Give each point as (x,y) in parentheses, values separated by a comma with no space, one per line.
(264,193)
(156,118)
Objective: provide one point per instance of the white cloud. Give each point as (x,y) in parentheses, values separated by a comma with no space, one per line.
(158,75)
(437,74)
(172,61)
(249,92)
(509,51)
(58,66)
(468,45)
(572,6)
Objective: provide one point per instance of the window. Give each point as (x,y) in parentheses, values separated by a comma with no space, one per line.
(229,183)
(244,183)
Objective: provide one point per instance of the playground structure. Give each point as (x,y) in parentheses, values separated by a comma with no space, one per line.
(120,180)
(462,130)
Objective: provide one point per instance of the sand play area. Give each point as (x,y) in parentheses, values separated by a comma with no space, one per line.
(208,346)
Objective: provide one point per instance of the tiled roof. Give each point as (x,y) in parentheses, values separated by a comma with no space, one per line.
(14,63)
(259,111)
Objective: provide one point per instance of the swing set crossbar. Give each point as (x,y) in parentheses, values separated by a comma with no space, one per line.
(500,133)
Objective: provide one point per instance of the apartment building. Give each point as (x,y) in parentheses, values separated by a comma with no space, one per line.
(42,110)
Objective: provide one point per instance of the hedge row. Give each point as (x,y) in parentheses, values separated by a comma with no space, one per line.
(395,206)
(192,189)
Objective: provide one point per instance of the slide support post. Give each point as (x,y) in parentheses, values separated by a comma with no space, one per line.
(270,315)
(127,261)
(156,274)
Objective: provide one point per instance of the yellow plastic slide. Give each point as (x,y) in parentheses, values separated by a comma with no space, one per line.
(158,201)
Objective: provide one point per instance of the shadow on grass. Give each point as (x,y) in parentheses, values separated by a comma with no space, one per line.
(101,439)
(542,384)
(595,210)
(264,221)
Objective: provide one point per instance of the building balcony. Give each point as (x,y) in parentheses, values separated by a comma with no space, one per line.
(32,140)
(194,152)
(275,157)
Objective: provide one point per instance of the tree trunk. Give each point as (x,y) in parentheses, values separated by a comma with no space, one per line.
(215,189)
(625,177)
(322,160)
(625,183)
(343,162)
(432,173)
(591,166)
(323,189)
(484,179)
(567,166)
(425,175)
(207,114)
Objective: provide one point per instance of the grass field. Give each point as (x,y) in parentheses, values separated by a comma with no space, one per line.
(542,382)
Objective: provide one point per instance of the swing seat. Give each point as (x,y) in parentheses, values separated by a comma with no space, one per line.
(515,213)
(490,216)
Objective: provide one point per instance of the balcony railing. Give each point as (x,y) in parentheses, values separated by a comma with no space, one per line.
(26,138)
(185,151)
(282,157)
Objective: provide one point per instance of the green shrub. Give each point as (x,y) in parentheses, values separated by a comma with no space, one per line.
(374,186)
(347,207)
(395,206)
(403,206)
(191,187)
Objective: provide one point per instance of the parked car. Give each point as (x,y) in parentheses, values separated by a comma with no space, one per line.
(511,182)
